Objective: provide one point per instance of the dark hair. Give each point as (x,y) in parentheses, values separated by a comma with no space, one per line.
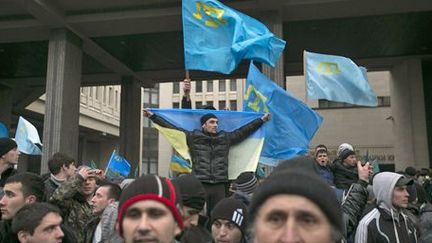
(321,147)
(32,184)
(56,162)
(114,190)
(31,215)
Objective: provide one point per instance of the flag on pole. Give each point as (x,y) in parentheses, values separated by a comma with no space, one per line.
(217,38)
(337,78)
(27,137)
(292,125)
(242,157)
(117,167)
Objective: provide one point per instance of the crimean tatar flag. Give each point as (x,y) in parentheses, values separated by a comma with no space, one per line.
(217,38)
(337,78)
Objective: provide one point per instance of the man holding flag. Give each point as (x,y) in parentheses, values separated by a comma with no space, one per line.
(209,150)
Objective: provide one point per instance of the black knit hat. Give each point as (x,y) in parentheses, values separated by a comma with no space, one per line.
(232,210)
(294,182)
(300,163)
(246,182)
(207,116)
(345,153)
(151,187)
(6,145)
(191,190)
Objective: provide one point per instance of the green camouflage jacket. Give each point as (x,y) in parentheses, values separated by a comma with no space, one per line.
(76,211)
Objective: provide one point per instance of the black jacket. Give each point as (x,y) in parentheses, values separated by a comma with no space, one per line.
(353,206)
(343,176)
(209,152)
(380,227)
(6,235)
(386,223)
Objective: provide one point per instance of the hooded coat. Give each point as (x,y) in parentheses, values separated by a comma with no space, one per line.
(385,223)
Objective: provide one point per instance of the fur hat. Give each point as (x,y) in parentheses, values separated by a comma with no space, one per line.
(6,145)
(151,187)
(232,210)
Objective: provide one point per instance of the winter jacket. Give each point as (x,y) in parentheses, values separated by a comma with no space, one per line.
(385,223)
(425,223)
(90,228)
(75,209)
(6,235)
(209,152)
(343,176)
(51,184)
(353,205)
(186,103)
(326,173)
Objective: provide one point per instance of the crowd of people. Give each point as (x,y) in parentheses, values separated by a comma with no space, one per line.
(305,199)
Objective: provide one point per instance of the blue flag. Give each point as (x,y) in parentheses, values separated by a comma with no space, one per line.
(27,137)
(217,38)
(293,124)
(4,132)
(337,78)
(117,166)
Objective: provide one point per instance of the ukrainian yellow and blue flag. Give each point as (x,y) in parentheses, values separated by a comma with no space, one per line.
(242,157)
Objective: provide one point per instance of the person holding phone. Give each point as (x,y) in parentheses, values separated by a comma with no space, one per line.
(73,198)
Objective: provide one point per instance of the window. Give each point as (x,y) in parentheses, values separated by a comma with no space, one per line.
(210,86)
(198,105)
(328,104)
(176,105)
(176,87)
(233,105)
(209,103)
(110,96)
(233,85)
(149,166)
(222,104)
(222,86)
(154,97)
(198,86)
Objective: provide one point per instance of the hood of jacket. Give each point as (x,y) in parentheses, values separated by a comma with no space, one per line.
(383,186)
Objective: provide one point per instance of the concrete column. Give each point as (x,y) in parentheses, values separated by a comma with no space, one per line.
(61,130)
(409,118)
(131,123)
(273,20)
(6,106)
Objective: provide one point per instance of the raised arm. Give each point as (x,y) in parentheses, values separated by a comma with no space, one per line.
(186,102)
(161,121)
(245,131)
(356,199)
